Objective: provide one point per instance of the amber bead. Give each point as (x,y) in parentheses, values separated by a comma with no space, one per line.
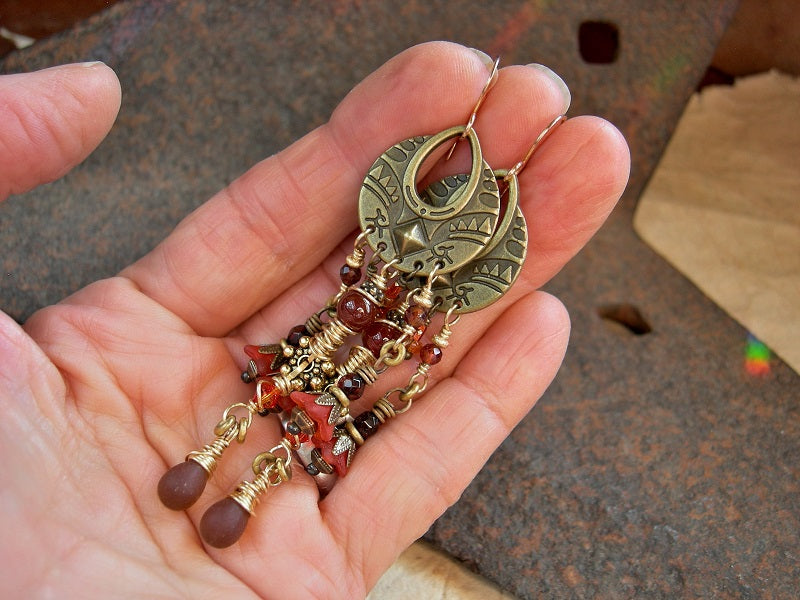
(295,333)
(223,523)
(366,423)
(392,294)
(377,334)
(270,396)
(350,275)
(353,385)
(416,316)
(182,485)
(430,354)
(355,310)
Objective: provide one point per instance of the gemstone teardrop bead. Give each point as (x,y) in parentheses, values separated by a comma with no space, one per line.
(223,523)
(182,485)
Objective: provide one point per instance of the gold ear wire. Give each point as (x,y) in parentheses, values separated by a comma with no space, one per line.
(471,121)
(517,168)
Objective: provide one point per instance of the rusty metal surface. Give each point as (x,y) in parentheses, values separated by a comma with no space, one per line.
(654,466)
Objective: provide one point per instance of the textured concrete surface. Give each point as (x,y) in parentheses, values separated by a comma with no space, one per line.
(654,466)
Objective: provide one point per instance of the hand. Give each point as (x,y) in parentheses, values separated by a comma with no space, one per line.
(107,389)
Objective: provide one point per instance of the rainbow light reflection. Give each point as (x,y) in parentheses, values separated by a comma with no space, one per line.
(757,355)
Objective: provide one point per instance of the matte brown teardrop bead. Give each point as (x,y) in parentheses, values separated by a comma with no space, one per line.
(182,485)
(223,523)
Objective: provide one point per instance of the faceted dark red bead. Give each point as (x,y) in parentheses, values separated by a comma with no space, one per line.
(295,334)
(355,310)
(350,275)
(416,316)
(377,334)
(430,354)
(353,385)
(366,424)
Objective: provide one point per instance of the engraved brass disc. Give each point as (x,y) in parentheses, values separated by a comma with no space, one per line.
(421,232)
(487,277)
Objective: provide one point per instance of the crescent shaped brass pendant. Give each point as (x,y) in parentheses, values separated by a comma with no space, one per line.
(488,276)
(422,233)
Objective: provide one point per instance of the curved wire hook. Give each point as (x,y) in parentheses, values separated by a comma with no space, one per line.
(517,168)
(471,121)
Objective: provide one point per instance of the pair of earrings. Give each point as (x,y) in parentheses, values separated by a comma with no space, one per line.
(448,249)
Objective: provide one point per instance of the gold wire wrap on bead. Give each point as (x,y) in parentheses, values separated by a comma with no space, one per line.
(314,323)
(228,429)
(210,454)
(326,342)
(359,361)
(356,258)
(384,410)
(276,471)
(284,384)
(442,339)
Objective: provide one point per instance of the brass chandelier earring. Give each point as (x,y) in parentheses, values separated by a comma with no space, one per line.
(448,249)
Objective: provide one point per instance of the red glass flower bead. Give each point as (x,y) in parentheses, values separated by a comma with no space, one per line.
(337,453)
(430,354)
(350,275)
(264,359)
(377,334)
(319,413)
(355,310)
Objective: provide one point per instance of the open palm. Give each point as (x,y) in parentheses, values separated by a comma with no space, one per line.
(104,391)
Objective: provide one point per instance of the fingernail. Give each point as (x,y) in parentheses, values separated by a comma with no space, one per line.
(565,93)
(485,59)
(90,64)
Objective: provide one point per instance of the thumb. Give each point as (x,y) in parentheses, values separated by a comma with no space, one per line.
(51,120)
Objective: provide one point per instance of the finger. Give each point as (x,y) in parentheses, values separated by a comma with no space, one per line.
(51,120)
(569,188)
(419,464)
(273,225)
